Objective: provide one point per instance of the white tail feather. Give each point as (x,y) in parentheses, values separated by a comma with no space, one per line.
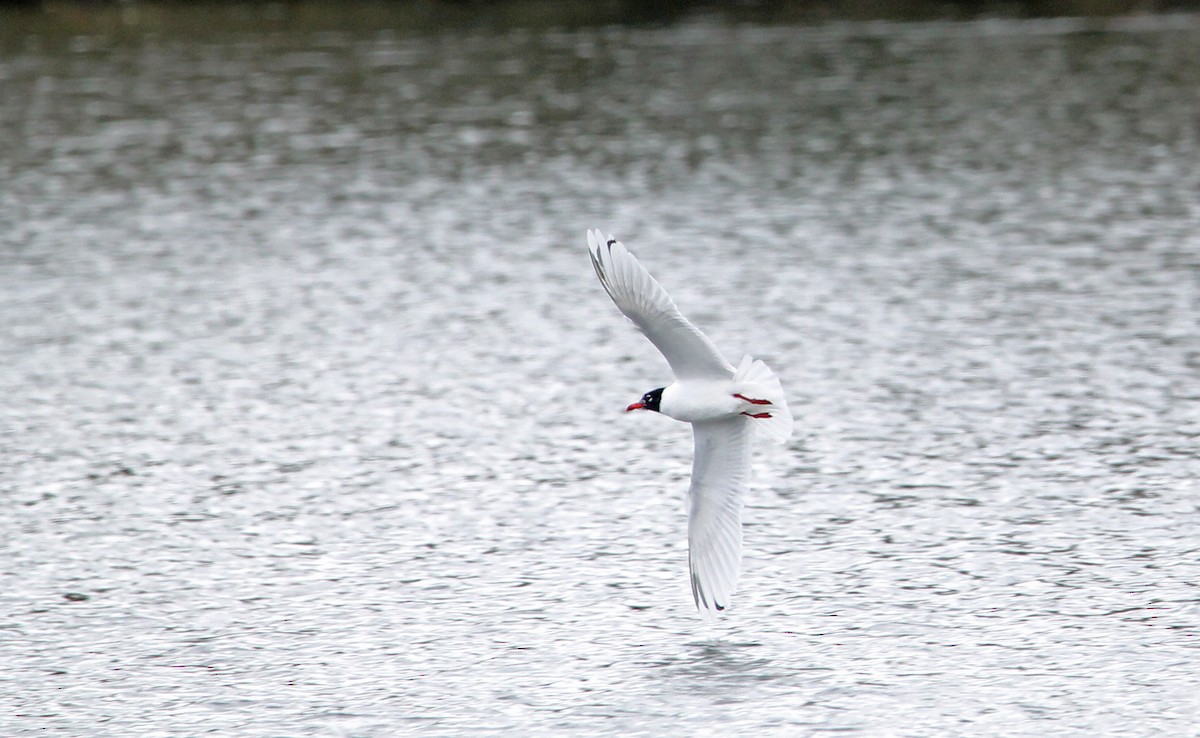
(755,379)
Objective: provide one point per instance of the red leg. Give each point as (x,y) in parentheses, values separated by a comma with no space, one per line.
(757,415)
(752,401)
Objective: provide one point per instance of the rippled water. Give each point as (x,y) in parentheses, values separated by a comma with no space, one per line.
(312,404)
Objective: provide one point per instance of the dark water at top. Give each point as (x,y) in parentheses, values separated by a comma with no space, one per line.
(311,419)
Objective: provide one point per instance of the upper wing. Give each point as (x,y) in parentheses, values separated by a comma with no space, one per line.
(720,477)
(646,303)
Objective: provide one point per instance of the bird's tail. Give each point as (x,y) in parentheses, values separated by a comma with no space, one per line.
(762,394)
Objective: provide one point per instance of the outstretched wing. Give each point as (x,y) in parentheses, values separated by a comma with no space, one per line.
(720,478)
(642,300)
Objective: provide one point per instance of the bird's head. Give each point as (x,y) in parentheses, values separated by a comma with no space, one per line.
(650,401)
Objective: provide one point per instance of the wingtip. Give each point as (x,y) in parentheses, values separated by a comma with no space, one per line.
(596,240)
(706,602)
(599,243)
(698,593)
(600,238)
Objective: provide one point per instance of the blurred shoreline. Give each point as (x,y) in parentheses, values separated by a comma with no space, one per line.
(22,17)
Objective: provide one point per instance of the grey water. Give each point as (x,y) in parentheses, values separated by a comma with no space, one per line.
(312,405)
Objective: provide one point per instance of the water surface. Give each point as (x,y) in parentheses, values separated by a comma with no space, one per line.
(312,418)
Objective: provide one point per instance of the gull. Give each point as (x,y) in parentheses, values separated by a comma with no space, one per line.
(724,405)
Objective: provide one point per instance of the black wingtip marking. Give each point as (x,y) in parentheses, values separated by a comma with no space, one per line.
(611,241)
(600,272)
(719,607)
(698,592)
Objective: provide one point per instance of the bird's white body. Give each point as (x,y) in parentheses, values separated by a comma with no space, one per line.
(700,400)
(723,404)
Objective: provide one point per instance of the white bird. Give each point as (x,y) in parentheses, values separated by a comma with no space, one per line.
(723,405)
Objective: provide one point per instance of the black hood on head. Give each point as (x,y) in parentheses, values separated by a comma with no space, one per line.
(652,399)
